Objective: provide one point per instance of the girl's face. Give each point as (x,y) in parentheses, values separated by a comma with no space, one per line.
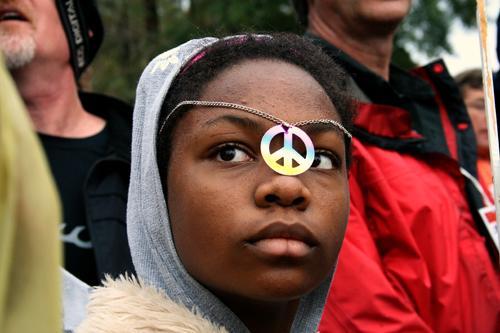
(242,230)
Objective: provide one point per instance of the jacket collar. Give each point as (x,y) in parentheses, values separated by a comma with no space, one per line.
(373,119)
(118,116)
(401,82)
(412,98)
(125,305)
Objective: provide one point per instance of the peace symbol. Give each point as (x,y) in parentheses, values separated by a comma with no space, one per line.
(287,153)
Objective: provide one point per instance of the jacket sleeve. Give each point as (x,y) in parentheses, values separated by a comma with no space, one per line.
(370,291)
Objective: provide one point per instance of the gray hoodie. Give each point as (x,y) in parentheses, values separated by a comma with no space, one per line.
(150,237)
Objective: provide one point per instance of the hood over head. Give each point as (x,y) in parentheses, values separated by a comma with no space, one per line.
(153,252)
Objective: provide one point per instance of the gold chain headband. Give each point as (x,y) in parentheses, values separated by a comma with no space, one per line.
(287,153)
(259,113)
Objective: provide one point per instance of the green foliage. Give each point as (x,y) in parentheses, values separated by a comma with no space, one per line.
(426,28)
(138,30)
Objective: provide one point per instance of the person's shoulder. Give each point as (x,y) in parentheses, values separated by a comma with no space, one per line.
(435,70)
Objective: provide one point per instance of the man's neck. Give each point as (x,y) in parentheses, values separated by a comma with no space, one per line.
(51,96)
(374,51)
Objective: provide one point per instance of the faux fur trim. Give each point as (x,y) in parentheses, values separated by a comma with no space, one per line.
(125,305)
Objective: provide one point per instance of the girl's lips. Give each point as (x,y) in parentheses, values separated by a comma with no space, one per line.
(279,239)
(282,247)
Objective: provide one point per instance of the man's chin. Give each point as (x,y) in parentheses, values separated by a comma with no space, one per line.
(18,50)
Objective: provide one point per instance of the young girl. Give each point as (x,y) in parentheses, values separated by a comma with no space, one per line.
(239,196)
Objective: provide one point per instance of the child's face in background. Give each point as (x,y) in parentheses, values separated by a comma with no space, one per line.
(242,230)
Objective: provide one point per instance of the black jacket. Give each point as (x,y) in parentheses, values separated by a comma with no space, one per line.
(106,187)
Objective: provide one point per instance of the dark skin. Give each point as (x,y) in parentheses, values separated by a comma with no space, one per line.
(258,240)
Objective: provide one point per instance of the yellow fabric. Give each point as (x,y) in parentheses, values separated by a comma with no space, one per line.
(30,250)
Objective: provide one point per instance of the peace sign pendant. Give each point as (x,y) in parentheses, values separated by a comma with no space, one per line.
(287,154)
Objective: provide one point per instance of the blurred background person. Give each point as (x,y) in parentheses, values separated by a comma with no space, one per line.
(470,83)
(47,45)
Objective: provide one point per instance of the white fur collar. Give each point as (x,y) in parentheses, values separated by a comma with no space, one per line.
(126,306)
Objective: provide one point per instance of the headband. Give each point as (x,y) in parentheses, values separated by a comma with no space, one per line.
(287,154)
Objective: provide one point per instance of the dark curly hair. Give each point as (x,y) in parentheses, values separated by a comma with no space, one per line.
(290,48)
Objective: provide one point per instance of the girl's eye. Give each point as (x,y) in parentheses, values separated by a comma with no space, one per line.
(325,160)
(231,153)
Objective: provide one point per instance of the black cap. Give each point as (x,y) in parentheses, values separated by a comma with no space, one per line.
(84,30)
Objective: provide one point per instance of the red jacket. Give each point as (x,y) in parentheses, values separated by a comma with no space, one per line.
(413,258)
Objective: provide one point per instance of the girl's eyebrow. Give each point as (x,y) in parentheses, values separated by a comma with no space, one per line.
(243,122)
(317,128)
(252,125)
